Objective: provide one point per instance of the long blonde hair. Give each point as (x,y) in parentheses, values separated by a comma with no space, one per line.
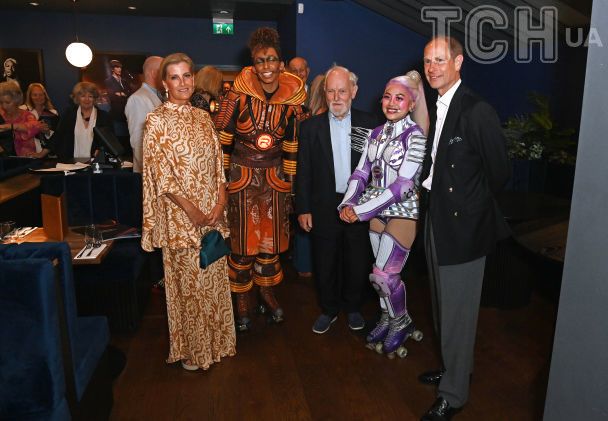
(317,102)
(209,80)
(28,97)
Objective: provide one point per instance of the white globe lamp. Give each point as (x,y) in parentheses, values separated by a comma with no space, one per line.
(79,54)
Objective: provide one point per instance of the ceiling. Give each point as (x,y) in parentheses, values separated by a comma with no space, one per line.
(237,9)
(571,13)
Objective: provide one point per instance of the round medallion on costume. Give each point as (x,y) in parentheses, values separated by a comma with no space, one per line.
(264,141)
(377,171)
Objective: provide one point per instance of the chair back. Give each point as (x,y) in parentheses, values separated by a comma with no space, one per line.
(32,379)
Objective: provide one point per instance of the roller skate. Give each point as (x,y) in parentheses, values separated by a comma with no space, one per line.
(400,329)
(391,291)
(243,322)
(269,302)
(376,337)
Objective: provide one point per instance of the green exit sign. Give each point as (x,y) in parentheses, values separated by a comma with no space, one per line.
(223,28)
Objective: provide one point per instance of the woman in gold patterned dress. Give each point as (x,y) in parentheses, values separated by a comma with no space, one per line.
(184,198)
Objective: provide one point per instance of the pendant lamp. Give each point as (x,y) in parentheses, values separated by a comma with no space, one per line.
(78,53)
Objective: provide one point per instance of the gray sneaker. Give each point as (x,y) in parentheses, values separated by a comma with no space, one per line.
(355,321)
(323,323)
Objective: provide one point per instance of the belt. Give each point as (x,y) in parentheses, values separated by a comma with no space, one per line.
(250,157)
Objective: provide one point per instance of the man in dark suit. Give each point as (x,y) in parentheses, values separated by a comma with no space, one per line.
(342,255)
(467,167)
(119,91)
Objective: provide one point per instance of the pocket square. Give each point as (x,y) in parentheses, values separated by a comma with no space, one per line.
(455,140)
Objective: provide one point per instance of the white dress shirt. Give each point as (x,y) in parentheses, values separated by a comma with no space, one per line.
(340,146)
(142,102)
(443,105)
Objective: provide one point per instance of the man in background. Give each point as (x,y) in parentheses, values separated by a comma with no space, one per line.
(143,101)
(299,67)
(118,91)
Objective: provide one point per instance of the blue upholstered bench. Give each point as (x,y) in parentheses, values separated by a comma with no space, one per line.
(32,381)
(85,339)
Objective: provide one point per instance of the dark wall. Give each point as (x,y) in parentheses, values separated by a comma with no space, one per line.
(126,34)
(372,46)
(577,387)
(286,25)
(344,32)
(506,84)
(377,49)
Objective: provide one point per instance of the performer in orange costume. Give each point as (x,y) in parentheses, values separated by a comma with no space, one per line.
(258,131)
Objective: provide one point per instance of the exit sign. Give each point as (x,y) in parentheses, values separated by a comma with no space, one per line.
(223,27)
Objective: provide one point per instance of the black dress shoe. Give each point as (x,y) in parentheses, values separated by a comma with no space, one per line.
(431,377)
(440,411)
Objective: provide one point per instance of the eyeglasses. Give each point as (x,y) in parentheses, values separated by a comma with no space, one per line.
(270,60)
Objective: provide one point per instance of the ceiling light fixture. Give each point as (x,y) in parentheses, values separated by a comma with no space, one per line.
(131,7)
(78,53)
(34,4)
(223,12)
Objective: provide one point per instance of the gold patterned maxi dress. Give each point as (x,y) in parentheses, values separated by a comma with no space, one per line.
(182,156)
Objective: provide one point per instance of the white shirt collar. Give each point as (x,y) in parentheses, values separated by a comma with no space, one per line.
(150,88)
(333,117)
(446,98)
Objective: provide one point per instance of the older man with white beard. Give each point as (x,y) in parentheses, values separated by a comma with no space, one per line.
(342,254)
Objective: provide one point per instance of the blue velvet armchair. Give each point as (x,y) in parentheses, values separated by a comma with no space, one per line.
(85,339)
(32,381)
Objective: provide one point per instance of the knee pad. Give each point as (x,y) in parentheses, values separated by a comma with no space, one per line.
(391,291)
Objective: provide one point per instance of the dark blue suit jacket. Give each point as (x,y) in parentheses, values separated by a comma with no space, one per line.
(471,167)
(315,176)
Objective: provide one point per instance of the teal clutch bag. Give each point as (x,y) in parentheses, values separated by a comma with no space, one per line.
(213,247)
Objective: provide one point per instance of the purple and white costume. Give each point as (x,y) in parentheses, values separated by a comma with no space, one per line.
(392,156)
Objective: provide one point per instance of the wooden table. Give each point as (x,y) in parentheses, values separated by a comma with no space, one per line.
(15,186)
(75,241)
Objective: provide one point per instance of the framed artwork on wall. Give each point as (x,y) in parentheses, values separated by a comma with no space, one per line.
(116,75)
(23,66)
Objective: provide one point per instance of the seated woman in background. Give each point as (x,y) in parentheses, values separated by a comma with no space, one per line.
(22,123)
(74,137)
(38,103)
(207,89)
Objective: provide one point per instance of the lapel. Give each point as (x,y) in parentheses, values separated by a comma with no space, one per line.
(325,143)
(451,121)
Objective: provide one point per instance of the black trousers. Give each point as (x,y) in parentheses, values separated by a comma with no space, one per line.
(342,262)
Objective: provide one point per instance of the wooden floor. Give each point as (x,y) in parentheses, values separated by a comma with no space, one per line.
(286,372)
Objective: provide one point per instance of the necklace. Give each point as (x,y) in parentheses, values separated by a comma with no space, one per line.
(87,119)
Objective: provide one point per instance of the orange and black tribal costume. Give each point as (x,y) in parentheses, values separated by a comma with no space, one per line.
(258,132)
